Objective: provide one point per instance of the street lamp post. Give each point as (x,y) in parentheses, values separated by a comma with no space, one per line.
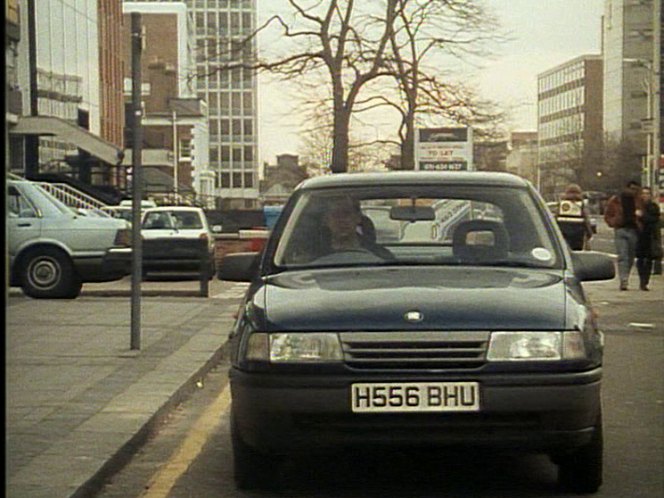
(650,125)
(176,158)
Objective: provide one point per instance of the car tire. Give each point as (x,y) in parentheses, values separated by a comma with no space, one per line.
(212,270)
(581,471)
(252,469)
(48,273)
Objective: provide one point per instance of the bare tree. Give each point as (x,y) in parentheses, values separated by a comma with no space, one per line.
(318,137)
(622,162)
(346,39)
(424,32)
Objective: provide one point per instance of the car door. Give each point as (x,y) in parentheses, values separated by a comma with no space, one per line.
(23,221)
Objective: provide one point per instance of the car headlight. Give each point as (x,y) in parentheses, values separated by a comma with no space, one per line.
(536,346)
(294,347)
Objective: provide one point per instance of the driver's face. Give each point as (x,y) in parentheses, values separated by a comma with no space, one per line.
(342,219)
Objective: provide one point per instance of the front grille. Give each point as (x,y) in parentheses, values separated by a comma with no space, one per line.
(414,350)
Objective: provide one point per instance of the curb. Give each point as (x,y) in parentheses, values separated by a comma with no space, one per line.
(122,456)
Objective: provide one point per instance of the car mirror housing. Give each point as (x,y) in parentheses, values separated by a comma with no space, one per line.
(591,265)
(239,267)
(412,213)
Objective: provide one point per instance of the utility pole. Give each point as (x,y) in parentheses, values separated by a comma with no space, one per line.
(32,141)
(656,82)
(137,180)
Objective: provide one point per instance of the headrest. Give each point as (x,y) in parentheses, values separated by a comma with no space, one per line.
(480,240)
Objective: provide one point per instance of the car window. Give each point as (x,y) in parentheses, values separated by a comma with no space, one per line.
(158,220)
(17,205)
(447,225)
(41,201)
(187,220)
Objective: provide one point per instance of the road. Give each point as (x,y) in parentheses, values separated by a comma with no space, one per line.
(191,457)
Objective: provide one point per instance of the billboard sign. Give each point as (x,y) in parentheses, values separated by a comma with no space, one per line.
(444,149)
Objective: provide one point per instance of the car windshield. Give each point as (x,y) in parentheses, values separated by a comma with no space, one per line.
(175,219)
(441,225)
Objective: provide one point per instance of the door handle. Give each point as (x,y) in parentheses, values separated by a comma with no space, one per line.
(24,224)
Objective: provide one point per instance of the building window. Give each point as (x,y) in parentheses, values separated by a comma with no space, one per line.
(247,102)
(225,180)
(248,180)
(225,130)
(237,128)
(185,148)
(248,153)
(237,180)
(248,128)
(237,103)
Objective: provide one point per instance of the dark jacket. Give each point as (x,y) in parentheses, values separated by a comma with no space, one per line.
(649,245)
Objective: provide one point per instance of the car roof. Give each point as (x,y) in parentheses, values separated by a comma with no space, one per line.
(173,208)
(486,178)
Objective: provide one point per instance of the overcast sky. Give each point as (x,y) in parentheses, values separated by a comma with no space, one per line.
(544,34)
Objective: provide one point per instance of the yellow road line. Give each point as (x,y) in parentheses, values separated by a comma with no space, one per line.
(164,480)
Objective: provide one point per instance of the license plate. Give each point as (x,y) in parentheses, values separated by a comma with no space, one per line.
(416,397)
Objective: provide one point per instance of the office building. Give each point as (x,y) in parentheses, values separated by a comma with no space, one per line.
(569,124)
(175,121)
(221,27)
(71,119)
(631,37)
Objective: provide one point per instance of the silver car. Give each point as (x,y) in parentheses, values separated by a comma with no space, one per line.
(53,251)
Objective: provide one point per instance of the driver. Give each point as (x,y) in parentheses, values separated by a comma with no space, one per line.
(347,230)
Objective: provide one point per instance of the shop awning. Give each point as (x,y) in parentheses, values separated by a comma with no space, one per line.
(80,137)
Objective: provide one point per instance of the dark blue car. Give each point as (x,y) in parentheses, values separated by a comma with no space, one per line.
(459,320)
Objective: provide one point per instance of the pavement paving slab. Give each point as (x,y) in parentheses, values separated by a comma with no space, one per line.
(80,402)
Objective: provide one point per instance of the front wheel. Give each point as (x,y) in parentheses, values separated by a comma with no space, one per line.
(581,471)
(49,273)
(252,469)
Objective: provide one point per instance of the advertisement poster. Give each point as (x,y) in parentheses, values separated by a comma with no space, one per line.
(444,149)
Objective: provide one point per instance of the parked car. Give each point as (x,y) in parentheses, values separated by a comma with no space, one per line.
(121,212)
(483,338)
(94,212)
(53,250)
(170,224)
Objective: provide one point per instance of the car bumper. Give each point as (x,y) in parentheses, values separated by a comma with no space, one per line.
(287,414)
(113,265)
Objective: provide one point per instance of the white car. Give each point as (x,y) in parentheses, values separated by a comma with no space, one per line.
(171,223)
(53,250)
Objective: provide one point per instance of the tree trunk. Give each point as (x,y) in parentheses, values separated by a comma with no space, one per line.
(408,144)
(341,141)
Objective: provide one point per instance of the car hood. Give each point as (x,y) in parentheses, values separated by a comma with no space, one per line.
(448,298)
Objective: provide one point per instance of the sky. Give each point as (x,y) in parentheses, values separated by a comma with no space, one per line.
(543,34)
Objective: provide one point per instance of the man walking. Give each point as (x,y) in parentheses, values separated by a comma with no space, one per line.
(623,213)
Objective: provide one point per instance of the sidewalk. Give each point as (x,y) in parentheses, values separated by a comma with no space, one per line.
(79,401)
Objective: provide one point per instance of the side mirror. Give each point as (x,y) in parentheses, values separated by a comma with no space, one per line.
(591,265)
(239,267)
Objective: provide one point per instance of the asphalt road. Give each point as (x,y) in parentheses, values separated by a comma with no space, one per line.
(172,466)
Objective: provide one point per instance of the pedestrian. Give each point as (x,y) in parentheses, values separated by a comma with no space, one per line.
(574,219)
(646,251)
(623,213)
